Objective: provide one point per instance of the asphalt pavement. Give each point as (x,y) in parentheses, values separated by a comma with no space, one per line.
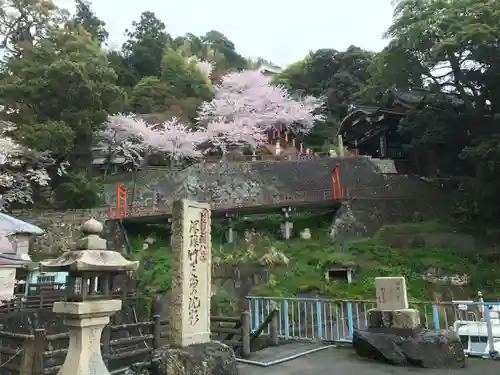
(343,361)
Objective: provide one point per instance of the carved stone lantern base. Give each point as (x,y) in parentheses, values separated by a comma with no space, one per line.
(85,321)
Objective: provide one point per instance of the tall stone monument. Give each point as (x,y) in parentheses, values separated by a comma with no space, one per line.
(191,274)
(190,350)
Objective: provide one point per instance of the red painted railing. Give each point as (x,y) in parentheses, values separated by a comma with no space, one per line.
(165,208)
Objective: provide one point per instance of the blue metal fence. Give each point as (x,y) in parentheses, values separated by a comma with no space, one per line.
(318,319)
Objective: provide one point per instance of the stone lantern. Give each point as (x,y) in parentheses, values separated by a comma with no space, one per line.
(91,269)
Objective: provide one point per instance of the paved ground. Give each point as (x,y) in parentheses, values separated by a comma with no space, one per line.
(343,361)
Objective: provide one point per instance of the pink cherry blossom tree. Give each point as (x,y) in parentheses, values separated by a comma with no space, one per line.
(250,97)
(130,137)
(222,135)
(21,169)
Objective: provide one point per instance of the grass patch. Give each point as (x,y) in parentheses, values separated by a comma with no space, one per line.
(298,267)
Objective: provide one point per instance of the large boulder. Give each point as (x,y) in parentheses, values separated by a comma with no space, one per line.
(427,348)
(212,358)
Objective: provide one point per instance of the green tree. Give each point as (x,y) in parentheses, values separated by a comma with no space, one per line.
(145,45)
(151,95)
(184,77)
(86,18)
(127,76)
(63,87)
(337,76)
(220,45)
(450,49)
(23,22)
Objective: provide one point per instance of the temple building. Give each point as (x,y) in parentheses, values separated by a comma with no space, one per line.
(373,130)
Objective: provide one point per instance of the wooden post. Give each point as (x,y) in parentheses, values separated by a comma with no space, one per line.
(155,315)
(106,343)
(245,334)
(274,328)
(38,363)
(26,366)
(156,331)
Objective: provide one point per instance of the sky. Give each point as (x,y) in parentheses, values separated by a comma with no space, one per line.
(279,31)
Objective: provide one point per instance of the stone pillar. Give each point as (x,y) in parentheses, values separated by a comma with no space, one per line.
(392,310)
(254,156)
(287,224)
(341,146)
(189,320)
(169,228)
(85,321)
(230,228)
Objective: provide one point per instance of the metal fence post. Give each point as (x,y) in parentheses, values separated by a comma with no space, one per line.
(435,315)
(350,326)
(287,323)
(255,314)
(489,329)
(319,320)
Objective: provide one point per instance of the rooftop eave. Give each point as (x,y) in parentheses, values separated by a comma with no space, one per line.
(89,260)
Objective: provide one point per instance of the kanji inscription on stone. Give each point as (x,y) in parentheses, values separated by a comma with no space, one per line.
(391,293)
(191,274)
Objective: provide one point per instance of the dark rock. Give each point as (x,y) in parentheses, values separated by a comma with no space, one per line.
(427,348)
(435,349)
(212,358)
(381,347)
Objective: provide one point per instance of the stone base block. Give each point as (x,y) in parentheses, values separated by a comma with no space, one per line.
(211,358)
(427,349)
(407,319)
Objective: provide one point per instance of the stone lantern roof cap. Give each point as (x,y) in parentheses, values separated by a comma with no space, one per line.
(91,254)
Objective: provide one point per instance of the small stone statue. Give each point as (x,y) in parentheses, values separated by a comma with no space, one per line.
(305,234)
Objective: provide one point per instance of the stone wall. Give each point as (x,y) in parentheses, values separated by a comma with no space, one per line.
(62,228)
(235,181)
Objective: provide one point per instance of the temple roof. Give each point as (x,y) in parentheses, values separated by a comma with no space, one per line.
(10,225)
(365,121)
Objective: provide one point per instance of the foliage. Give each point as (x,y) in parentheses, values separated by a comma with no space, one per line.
(146,43)
(308,260)
(154,274)
(336,76)
(87,19)
(151,95)
(77,190)
(24,22)
(64,78)
(453,55)
(184,77)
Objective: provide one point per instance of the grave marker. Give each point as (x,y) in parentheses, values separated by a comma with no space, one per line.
(191,273)
(391,293)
